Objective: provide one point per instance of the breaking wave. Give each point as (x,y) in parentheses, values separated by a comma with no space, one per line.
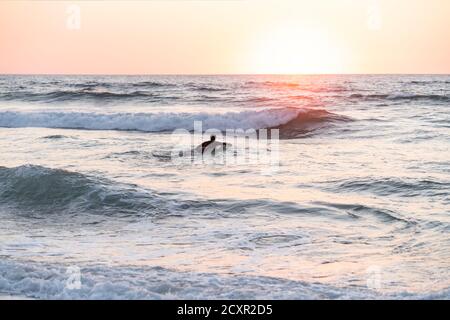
(49,281)
(43,281)
(286,119)
(39,190)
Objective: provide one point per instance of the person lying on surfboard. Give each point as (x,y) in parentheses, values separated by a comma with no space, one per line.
(211,146)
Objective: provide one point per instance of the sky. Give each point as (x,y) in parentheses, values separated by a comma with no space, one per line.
(225,37)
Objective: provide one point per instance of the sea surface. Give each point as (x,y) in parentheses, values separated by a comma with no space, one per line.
(100,199)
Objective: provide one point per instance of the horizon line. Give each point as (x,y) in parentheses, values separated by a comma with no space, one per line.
(222,74)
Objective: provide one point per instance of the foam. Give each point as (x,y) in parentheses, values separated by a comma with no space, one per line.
(49,281)
(149,122)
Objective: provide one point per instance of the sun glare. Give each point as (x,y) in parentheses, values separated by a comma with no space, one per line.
(295,49)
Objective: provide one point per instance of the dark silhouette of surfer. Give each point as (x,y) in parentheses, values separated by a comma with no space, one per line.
(205,144)
(211,145)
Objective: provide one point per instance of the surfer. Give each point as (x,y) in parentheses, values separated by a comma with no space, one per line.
(211,145)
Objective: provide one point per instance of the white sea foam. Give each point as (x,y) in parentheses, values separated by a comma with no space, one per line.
(43,281)
(150,122)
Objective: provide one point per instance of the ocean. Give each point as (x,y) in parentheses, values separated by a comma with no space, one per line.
(102,195)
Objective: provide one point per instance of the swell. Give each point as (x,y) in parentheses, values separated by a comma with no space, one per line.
(272,84)
(359,211)
(429,82)
(287,85)
(394,186)
(36,190)
(402,97)
(288,120)
(309,122)
(33,191)
(142,91)
(69,95)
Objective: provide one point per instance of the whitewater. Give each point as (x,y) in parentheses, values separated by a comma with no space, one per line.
(93,204)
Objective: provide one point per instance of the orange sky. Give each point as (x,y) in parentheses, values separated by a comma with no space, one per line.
(227,36)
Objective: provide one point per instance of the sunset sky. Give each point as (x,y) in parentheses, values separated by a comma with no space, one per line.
(225,36)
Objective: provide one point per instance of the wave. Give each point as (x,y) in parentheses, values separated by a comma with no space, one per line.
(153,84)
(428,82)
(88,84)
(308,123)
(406,97)
(301,97)
(297,86)
(203,87)
(273,84)
(49,281)
(33,191)
(55,136)
(39,280)
(357,211)
(259,99)
(395,186)
(36,190)
(209,89)
(75,95)
(285,119)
